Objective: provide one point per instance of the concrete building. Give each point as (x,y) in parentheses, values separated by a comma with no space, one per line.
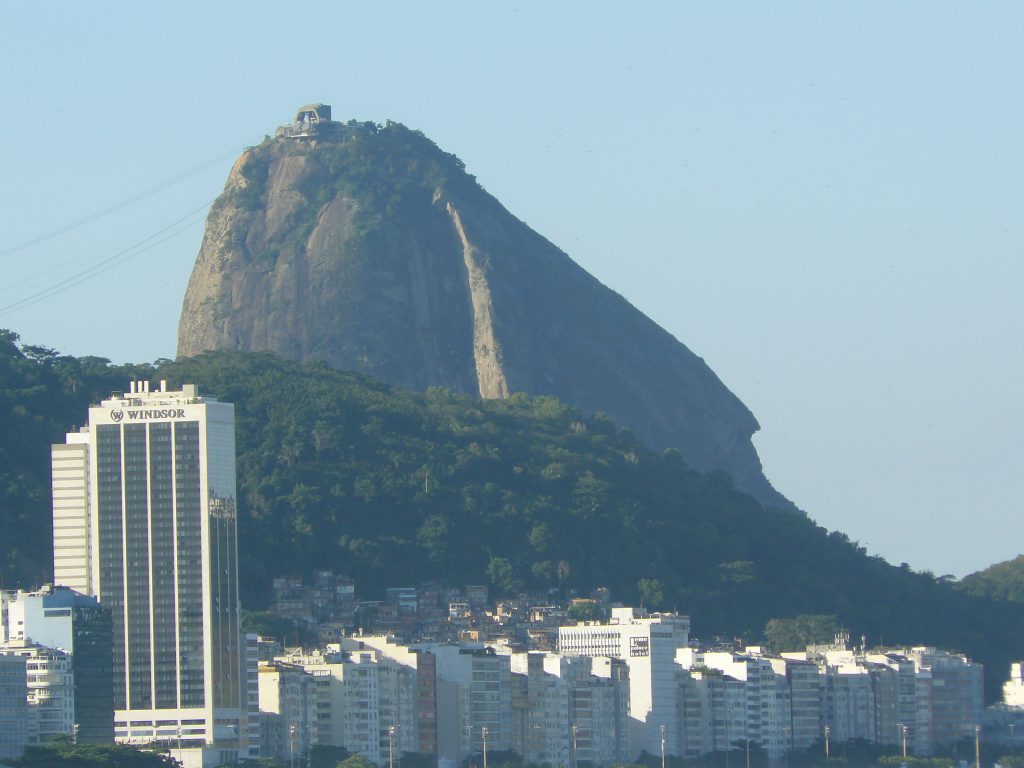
(420,659)
(648,644)
(49,692)
(287,701)
(358,699)
(565,714)
(766,696)
(1013,689)
(712,711)
(848,703)
(144,509)
(804,726)
(252,695)
(956,692)
(474,701)
(61,618)
(14,717)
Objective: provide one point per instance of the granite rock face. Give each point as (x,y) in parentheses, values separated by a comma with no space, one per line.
(374,251)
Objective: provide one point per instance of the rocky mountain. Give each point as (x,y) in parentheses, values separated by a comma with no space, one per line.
(369,248)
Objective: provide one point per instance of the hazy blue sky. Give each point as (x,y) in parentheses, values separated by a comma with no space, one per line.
(821,199)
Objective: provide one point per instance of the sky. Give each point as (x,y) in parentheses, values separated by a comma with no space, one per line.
(823,200)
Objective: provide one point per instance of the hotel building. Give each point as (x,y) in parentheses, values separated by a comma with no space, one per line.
(145,519)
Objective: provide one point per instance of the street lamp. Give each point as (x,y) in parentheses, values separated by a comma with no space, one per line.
(469,744)
(903,733)
(483,734)
(788,744)
(575,730)
(1012,727)
(748,752)
(391,745)
(291,745)
(977,746)
(828,730)
(661,730)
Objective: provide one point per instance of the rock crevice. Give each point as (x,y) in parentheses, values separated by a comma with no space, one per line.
(486,350)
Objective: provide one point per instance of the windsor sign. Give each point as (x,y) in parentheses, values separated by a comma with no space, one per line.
(144,414)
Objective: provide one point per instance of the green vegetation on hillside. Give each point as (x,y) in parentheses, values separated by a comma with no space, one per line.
(338,471)
(42,396)
(1002,581)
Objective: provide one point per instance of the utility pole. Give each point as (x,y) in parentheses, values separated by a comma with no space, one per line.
(903,733)
(391,746)
(827,731)
(483,734)
(748,752)
(661,730)
(1012,727)
(291,745)
(575,730)
(977,746)
(469,744)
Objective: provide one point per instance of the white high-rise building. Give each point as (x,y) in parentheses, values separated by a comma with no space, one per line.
(145,519)
(648,644)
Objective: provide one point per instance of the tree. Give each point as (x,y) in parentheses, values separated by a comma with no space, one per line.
(585,610)
(797,633)
(355,761)
(64,754)
(502,575)
(652,593)
(325,756)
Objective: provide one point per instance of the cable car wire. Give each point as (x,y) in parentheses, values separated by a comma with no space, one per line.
(118,206)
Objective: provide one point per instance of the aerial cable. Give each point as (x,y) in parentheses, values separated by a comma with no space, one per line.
(93,271)
(60,287)
(118,206)
(74,262)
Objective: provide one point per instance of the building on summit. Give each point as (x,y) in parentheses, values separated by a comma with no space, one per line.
(145,519)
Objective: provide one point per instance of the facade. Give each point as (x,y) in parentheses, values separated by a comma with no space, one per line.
(144,499)
(421,661)
(14,716)
(61,618)
(1013,689)
(287,701)
(252,695)
(356,699)
(564,714)
(804,727)
(648,644)
(474,700)
(956,692)
(49,691)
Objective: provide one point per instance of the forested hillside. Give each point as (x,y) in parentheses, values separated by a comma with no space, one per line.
(1002,581)
(338,471)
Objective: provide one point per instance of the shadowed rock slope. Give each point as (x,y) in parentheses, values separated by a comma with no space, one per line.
(376,252)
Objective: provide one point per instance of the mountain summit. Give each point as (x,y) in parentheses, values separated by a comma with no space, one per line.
(369,248)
